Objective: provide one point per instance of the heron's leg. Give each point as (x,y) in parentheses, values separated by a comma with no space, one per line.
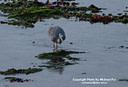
(54,45)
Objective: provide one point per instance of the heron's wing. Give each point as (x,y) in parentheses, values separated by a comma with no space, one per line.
(53,34)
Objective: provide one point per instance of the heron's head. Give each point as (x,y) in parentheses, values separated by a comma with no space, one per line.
(60,39)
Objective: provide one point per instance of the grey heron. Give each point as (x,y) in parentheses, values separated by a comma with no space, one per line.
(57,35)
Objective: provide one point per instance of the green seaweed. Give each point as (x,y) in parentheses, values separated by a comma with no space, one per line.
(58,54)
(72,58)
(84,73)
(126,80)
(19,23)
(54,65)
(94,10)
(69,63)
(28,13)
(122,46)
(126,47)
(20,71)
(48,66)
(119,14)
(124,20)
(57,60)
(9,77)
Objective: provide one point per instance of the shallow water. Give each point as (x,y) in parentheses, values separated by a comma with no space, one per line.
(104,57)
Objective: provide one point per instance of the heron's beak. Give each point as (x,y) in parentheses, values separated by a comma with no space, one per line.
(60,36)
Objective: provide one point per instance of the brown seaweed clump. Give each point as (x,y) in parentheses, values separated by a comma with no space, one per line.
(15,79)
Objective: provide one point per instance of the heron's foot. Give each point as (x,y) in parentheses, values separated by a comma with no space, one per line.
(55,47)
(54,50)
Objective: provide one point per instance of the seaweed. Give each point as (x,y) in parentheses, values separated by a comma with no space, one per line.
(13,71)
(19,23)
(15,79)
(58,54)
(126,80)
(126,47)
(26,13)
(122,46)
(124,20)
(84,73)
(57,60)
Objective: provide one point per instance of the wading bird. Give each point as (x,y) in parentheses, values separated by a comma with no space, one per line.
(57,35)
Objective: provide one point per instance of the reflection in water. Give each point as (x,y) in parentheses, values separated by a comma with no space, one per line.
(56,65)
(58,69)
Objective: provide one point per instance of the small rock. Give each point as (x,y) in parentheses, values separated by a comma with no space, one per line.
(33,42)
(70,43)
